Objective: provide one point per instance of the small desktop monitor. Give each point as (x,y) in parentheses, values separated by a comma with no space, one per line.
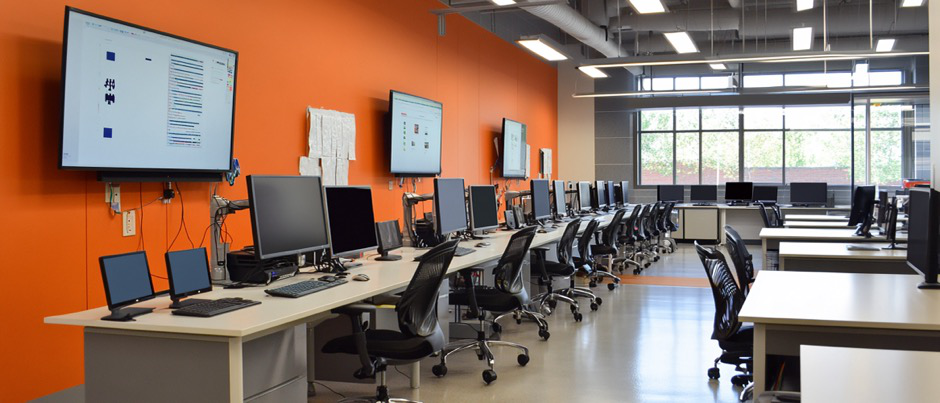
(809,193)
(670,193)
(450,207)
(541,200)
(703,194)
(287,215)
(624,192)
(739,191)
(600,194)
(560,201)
(863,204)
(188,274)
(882,208)
(389,236)
(584,196)
(611,194)
(765,194)
(890,228)
(351,220)
(126,280)
(484,214)
(923,223)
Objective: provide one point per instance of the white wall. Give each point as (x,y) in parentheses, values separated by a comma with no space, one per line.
(575,125)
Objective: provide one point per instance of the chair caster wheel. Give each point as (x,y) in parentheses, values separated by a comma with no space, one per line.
(578,317)
(739,380)
(497,328)
(646,266)
(552,303)
(489,376)
(636,271)
(598,300)
(714,373)
(592,284)
(518,321)
(439,370)
(611,286)
(656,259)
(544,334)
(594,306)
(522,359)
(574,309)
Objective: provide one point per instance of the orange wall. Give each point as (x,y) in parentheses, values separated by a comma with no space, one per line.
(342,55)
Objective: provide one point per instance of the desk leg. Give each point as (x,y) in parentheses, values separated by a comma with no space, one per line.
(722,219)
(760,358)
(235,370)
(780,263)
(415,375)
(763,246)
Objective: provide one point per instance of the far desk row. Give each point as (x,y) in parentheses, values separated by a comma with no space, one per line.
(706,223)
(771,238)
(258,354)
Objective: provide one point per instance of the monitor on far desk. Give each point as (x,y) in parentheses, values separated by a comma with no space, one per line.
(188,274)
(584,197)
(766,195)
(703,195)
(739,192)
(923,235)
(863,204)
(611,195)
(351,221)
(806,194)
(559,200)
(126,280)
(484,214)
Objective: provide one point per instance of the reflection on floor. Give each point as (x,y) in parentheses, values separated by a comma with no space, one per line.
(647,343)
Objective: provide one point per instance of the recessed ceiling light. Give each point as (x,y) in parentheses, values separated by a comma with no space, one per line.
(804,5)
(885,45)
(681,41)
(718,66)
(541,48)
(503,2)
(593,72)
(803,38)
(912,3)
(648,6)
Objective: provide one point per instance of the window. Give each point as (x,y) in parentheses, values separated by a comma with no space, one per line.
(763,157)
(719,157)
(687,83)
(763,81)
(716,82)
(687,156)
(656,151)
(662,84)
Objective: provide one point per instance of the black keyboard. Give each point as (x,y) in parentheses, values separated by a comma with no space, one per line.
(212,308)
(302,288)
(461,251)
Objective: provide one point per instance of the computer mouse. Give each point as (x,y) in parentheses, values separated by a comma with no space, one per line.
(360,277)
(482,244)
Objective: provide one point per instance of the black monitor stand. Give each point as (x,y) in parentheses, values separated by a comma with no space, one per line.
(126,314)
(386,257)
(739,203)
(930,282)
(180,303)
(864,228)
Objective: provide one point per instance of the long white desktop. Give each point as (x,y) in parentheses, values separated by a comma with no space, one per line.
(708,222)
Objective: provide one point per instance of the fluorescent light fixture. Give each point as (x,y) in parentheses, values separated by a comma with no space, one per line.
(648,6)
(885,45)
(681,41)
(540,46)
(912,3)
(776,58)
(593,72)
(718,66)
(646,93)
(804,5)
(803,38)
(503,2)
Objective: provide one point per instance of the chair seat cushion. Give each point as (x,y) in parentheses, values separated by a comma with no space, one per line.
(558,269)
(602,250)
(387,344)
(742,340)
(489,299)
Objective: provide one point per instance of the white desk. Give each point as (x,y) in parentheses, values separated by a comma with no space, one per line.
(257,353)
(816,224)
(859,375)
(835,257)
(771,237)
(702,221)
(790,309)
(815,217)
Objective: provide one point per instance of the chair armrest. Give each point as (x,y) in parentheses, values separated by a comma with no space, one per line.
(355,311)
(468,282)
(540,255)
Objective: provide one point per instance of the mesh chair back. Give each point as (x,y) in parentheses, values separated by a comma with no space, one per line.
(641,233)
(670,225)
(727,295)
(566,244)
(743,261)
(584,242)
(653,220)
(609,236)
(764,216)
(777,216)
(417,309)
(508,271)
(629,226)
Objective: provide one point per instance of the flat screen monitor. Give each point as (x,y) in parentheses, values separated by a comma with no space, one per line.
(670,193)
(541,200)
(351,220)
(765,194)
(863,203)
(584,196)
(450,207)
(188,272)
(809,193)
(739,191)
(891,224)
(560,201)
(126,279)
(389,234)
(703,193)
(137,99)
(600,194)
(514,142)
(923,223)
(611,194)
(287,215)
(624,192)
(882,207)
(416,124)
(484,214)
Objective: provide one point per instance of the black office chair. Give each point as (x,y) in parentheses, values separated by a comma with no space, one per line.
(507,297)
(628,242)
(736,341)
(584,262)
(768,221)
(607,249)
(777,215)
(743,261)
(419,334)
(563,267)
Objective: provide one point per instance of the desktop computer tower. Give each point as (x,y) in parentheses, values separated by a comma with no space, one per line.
(243,266)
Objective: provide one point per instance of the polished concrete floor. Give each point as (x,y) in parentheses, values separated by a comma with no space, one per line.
(647,343)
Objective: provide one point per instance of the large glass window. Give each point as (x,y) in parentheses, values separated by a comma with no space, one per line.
(763,157)
(656,152)
(719,157)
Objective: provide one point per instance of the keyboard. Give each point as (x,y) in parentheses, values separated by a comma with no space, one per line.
(302,288)
(215,307)
(862,247)
(461,251)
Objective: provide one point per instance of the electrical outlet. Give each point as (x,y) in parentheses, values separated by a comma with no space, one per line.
(130,223)
(391,185)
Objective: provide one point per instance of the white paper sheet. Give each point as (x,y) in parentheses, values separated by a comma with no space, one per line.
(340,142)
(528,161)
(329,171)
(342,171)
(349,127)
(314,141)
(309,166)
(546,162)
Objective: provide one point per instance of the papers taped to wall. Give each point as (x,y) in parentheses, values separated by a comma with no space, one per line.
(331,144)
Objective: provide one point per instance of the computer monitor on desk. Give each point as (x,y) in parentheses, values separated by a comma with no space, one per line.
(703,195)
(670,193)
(389,237)
(351,222)
(924,224)
(484,214)
(600,195)
(890,227)
(611,195)
(806,194)
(188,274)
(624,193)
(766,195)
(126,280)
(739,193)
(560,201)
(541,200)
(584,197)
(287,215)
(450,208)
(882,209)
(863,205)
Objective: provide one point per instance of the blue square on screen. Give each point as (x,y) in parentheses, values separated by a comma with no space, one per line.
(107,132)
(110,56)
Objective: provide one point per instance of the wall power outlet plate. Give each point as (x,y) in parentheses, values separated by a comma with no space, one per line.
(129,219)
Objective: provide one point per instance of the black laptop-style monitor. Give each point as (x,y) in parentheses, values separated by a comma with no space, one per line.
(188,274)
(670,193)
(765,194)
(809,193)
(126,280)
(703,194)
(739,191)
(389,237)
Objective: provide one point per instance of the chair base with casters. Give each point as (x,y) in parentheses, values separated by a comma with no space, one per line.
(482,346)
(547,301)
(602,271)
